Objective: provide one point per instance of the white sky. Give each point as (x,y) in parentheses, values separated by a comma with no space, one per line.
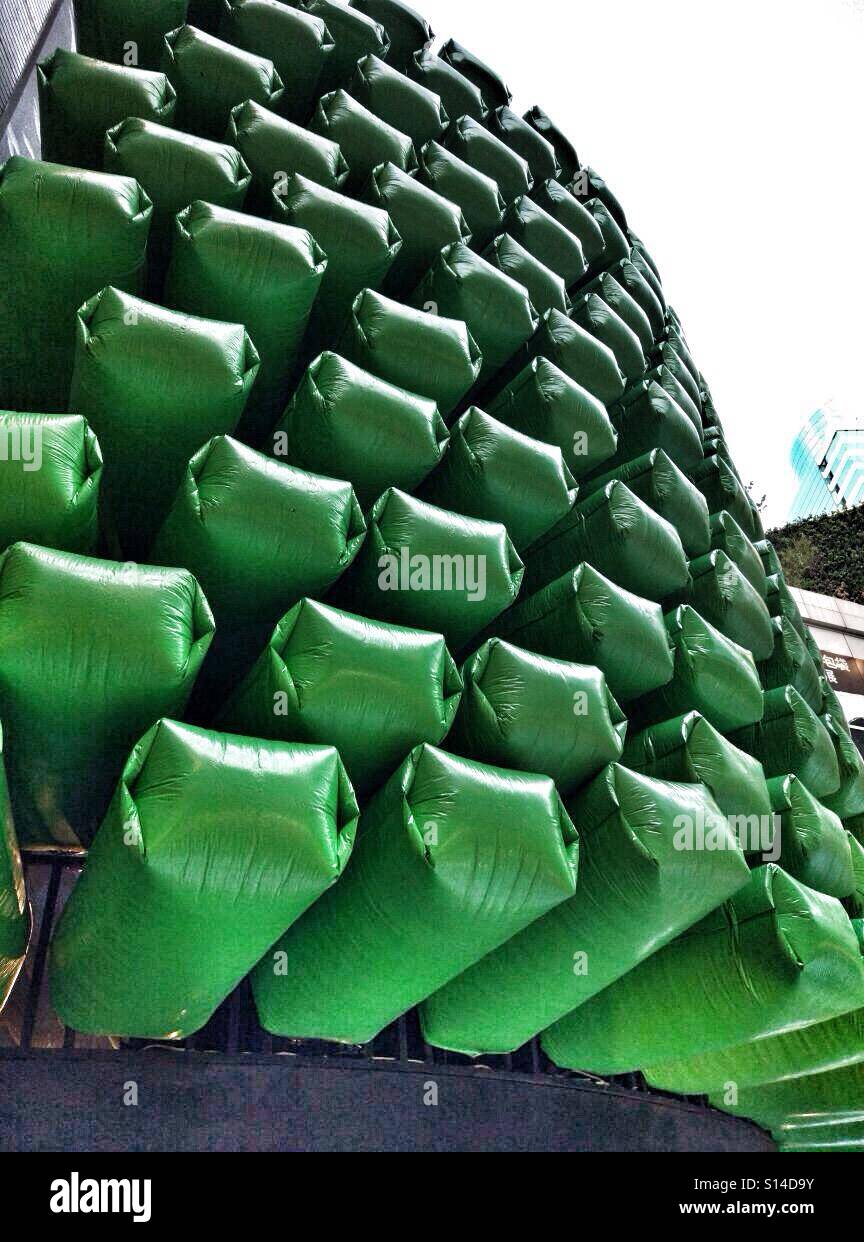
(732,133)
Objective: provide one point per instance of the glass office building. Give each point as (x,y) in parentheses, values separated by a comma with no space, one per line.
(828,460)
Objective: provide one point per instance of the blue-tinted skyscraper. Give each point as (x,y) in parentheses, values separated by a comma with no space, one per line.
(828,460)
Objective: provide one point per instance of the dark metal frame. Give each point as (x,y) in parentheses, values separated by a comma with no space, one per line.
(248,1090)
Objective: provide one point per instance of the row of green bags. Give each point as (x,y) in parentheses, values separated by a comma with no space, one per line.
(817,1048)
(636,893)
(471,851)
(836,1095)
(777,957)
(435,846)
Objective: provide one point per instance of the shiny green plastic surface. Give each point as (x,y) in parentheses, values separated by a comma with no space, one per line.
(372,690)
(92,653)
(530,712)
(64,234)
(155,385)
(343,420)
(50,474)
(212,847)
(452,859)
(636,892)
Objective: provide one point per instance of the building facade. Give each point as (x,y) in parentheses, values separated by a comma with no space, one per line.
(828,460)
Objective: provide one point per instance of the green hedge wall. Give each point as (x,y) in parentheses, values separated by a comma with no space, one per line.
(825,554)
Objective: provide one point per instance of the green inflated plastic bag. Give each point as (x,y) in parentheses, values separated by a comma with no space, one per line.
(355,36)
(402,103)
(79,98)
(344,421)
(64,234)
(545,403)
(425,221)
(815,846)
(595,316)
(84,640)
(636,892)
(474,144)
(724,491)
(427,354)
(713,676)
(657,481)
(211,77)
(575,352)
(854,903)
(155,385)
(360,242)
(546,289)
(14,907)
(627,308)
(791,665)
(781,603)
(655,420)
(276,149)
(590,187)
(791,738)
(618,534)
(231,266)
(372,690)
(452,859)
(491,471)
(565,153)
(364,139)
(496,309)
(777,957)
(679,394)
(407,30)
(559,203)
(476,194)
(547,240)
(525,140)
(615,244)
(536,714)
(174,169)
(689,749)
(258,536)
(50,472)
(298,43)
(727,535)
(724,597)
(801,1103)
(634,283)
(495,91)
(425,567)
(848,801)
(585,618)
(459,96)
(109,29)
(770,559)
(212,847)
